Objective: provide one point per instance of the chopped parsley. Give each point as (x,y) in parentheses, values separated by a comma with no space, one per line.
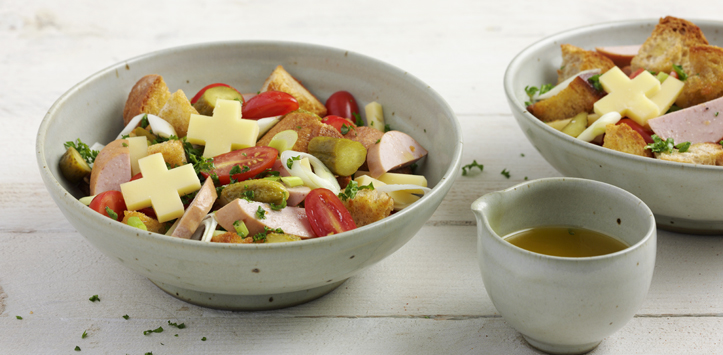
(195,157)
(413,167)
(716,114)
(358,119)
(595,82)
(149,331)
(125,136)
(126,317)
(260,213)
(94,298)
(352,188)
(237,170)
(261,236)
(266,173)
(505,173)
(144,121)
(683,147)
(276,207)
(525,178)
(77,348)
(214,178)
(82,148)
(387,128)
(290,161)
(188,198)
(248,195)
(85,334)
(345,128)
(522,155)
(18,317)
(378,140)
(125,144)
(674,108)
(203,339)
(470,166)
(532,90)
(679,70)
(179,326)
(666,146)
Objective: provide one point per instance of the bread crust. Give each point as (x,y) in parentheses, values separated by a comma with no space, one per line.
(148,95)
(281,80)
(705,76)
(578,97)
(699,153)
(669,44)
(306,124)
(624,139)
(369,206)
(575,60)
(177,111)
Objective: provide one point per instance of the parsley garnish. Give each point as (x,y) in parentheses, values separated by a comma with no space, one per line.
(532,90)
(261,213)
(266,173)
(157,330)
(674,108)
(505,173)
(18,317)
(352,188)
(124,144)
(290,161)
(144,121)
(248,195)
(203,339)
(125,136)
(679,70)
(82,148)
(179,326)
(525,178)
(195,157)
(77,348)
(683,147)
(111,213)
(470,166)
(358,119)
(716,114)
(85,334)
(387,128)
(345,128)
(188,198)
(261,236)
(595,81)
(522,155)
(666,146)
(126,317)
(237,170)
(378,140)
(94,298)
(276,207)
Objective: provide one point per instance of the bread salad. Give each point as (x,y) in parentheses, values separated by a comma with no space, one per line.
(662,99)
(247,168)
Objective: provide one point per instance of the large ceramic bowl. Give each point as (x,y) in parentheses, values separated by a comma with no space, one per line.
(683,197)
(255,276)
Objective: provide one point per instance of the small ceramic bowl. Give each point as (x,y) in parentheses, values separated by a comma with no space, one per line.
(565,305)
(684,197)
(255,276)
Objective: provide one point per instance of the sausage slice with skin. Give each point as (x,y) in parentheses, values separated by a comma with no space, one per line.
(296,195)
(112,167)
(196,211)
(697,124)
(292,220)
(394,150)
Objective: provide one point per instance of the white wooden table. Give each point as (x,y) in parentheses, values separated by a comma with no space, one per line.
(426,298)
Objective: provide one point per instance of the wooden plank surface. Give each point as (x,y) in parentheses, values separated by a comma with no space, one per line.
(426,298)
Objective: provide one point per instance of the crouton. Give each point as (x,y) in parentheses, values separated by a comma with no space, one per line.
(232,238)
(705,76)
(306,124)
(367,136)
(281,80)
(624,139)
(699,153)
(575,60)
(669,44)
(148,95)
(369,206)
(172,151)
(151,224)
(177,111)
(578,97)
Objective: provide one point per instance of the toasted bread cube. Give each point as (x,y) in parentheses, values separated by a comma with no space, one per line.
(669,44)
(705,76)
(369,206)
(281,80)
(578,97)
(152,224)
(172,151)
(232,238)
(148,95)
(624,139)
(575,60)
(699,153)
(306,124)
(177,111)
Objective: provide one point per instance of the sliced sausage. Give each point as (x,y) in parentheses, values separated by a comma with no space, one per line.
(620,55)
(196,211)
(296,195)
(697,124)
(112,167)
(394,150)
(292,220)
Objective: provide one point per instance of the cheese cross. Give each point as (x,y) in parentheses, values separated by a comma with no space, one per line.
(630,98)
(160,187)
(223,132)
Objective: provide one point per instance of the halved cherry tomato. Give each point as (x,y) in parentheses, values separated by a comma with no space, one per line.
(257,159)
(646,134)
(198,95)
(674,74)
(269,104)
(342,104)
(636,73)
(338,123)
(327,214)
(111,199)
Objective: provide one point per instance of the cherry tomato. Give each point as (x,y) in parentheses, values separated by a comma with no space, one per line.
(257,159)
(636,73)
(674,74)
(338,123)
(200,93)
(269,104)
(342,103)
(327,215)
(646,134)
(111,199)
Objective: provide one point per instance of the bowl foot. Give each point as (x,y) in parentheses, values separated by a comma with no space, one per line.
(688,226)
(561,349)
(246,302)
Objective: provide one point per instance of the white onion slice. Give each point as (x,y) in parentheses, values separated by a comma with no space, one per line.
(321,177)
(97,146)
(598,127)
(265,124)
(205,231)
(158,125)
(563,85)
(132,124)
(402,187)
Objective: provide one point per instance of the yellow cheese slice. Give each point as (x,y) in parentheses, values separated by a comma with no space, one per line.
(630,98)
(160,187)
(667,95)
(402,179)
(224,132)
(138,148)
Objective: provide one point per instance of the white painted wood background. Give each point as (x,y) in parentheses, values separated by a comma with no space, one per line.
(428,298)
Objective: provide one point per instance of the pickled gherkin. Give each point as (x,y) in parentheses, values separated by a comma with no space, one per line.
(576,125)
(342,156)
(73,166)
(207,102)
(259,190)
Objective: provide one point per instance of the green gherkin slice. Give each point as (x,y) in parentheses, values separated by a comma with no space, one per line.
(73,166)
(342,156)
